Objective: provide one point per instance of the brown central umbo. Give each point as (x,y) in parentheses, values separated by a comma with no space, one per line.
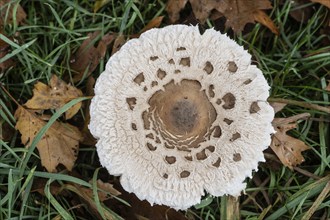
(182,112)
(184,115)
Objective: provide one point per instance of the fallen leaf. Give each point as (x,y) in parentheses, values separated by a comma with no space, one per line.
(323,2)
(104,190)
(4,50)
(55,188)
(120,40)
(54,96)
(7,12)
(241,12)
(99,4)
(300,12)
(59,144)
(277,106)
(173,9)
(87,195)
(154,23)
(261,17)
(87,57)
(287,148)
(237,12)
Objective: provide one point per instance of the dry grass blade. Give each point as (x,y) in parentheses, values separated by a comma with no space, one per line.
(317,203)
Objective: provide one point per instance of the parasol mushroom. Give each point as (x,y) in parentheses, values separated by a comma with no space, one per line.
(177,113)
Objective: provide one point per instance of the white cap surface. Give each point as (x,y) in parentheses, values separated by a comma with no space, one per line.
(177,113)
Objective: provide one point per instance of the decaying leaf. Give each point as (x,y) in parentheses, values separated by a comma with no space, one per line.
(120,40)
(154,23)
(174,7)
(104,190)
(87,57)
(261,17)
(7,12)
(287,148)
(277,106)
(54,96)
(237,12)
(300,12)
(241,12)
(323,2)
(4,50)
(59,144)
(86,195)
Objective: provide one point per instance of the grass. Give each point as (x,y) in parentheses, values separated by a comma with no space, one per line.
(296,64)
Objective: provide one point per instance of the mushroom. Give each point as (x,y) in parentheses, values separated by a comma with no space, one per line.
(177,113)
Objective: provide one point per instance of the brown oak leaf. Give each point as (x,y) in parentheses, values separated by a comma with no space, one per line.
(54,96)
(287,148)
(59,144)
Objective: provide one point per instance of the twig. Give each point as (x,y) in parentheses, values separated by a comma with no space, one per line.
(10,96)
(301,104)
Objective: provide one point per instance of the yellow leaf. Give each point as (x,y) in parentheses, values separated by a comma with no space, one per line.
(287,148)
(59,144)
(54,96)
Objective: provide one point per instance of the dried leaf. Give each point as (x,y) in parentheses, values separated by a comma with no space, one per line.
(55,188)
(300,12)
(241,12)
(59,145)
(7,13)
(87,195)
(104,190)
(237,12)
(173,9)
(154,23)
(261,17)
(323,2)
(54,96)
(4,50)
(277,106)
(88,57)
(287,148)
(120,40)
(99,4)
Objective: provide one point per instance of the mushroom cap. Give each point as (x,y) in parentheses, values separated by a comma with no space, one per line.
(177,113)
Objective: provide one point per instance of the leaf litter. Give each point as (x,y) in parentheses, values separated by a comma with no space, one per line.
(59,144)
(87,57)
(237,12)
(54,96)
(288,149)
